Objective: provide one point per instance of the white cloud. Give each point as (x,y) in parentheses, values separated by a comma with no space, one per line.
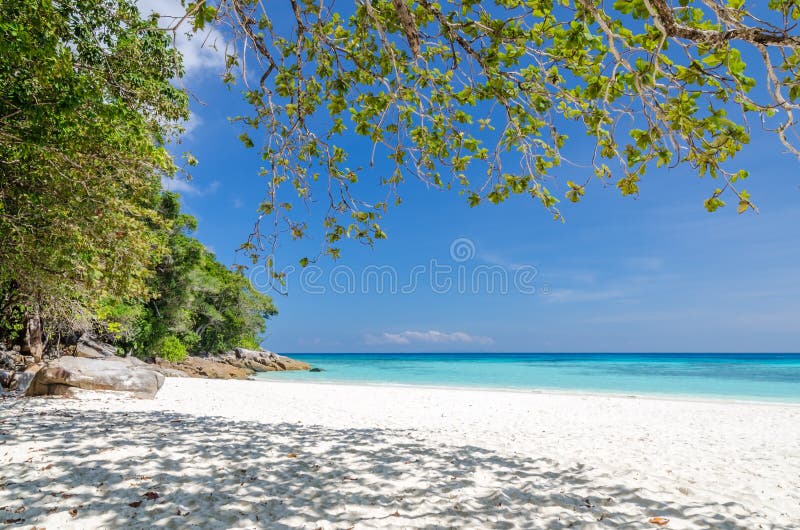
(179,186)
(202,52)
(429,337)
(185,187)
(192,124)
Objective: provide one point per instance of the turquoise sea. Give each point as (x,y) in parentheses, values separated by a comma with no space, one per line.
(768,377)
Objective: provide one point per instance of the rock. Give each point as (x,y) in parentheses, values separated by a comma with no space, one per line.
(11,360)
(122,374)
(203,367)
(167,371)
(262,361)
(22,380)
(172,372)
(316,370)
(6,378)
(238,364)
(90,348)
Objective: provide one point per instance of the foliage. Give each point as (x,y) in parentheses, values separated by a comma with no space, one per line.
(86,106)
(196,300)
(86,109)
(494,98)
(12,314)
(171,349)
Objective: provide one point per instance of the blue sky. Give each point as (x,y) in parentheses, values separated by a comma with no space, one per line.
(657,273)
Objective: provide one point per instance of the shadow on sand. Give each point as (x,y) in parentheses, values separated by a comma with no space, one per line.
(211,472)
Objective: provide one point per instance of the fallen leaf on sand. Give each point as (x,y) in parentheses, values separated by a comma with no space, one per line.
(135,504)
(73,512)
(151,495)
(660,521)
(291,455)
(396,514)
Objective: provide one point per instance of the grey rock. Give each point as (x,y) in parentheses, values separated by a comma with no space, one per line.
(166,371)
(11,361)
(7,360)
(22,381)
(262,360)
(122,374)
(90,348)
(6,377)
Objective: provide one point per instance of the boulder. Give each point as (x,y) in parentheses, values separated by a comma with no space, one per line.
(170,372)
(202,367)
(90,348)
(237,364)
(122,374)
(262,361)
(11,360)
(6,377)
(20,381)
(316,370)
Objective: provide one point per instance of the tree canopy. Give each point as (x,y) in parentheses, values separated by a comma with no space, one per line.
(196,304)
(88,104)
(495,98)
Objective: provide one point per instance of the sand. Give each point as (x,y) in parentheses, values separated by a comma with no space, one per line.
(257,454)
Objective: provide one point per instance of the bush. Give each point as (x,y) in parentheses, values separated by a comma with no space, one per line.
(249,343)
(172,349)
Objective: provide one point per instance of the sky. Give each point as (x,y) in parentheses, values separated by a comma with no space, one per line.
(655,273)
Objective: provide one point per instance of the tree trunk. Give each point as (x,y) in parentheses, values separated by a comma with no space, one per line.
(34,340)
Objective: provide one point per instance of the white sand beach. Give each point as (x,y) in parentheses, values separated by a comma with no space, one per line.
(258,454)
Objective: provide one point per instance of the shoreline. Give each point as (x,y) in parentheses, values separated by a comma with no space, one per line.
(543,391)
(243,454)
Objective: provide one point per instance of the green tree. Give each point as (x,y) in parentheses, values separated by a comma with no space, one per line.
(86,106)
(196,302)
(493,98)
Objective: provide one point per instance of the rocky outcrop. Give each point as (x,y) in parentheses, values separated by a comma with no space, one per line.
(122,374)
(262,361)
(91,364)
(16,371)
(208,367)
(6,378)
(12,360)
(90,348)
(167,371)
(22,380)
(238,364)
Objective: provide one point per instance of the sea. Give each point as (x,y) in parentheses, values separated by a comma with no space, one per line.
(751,377)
